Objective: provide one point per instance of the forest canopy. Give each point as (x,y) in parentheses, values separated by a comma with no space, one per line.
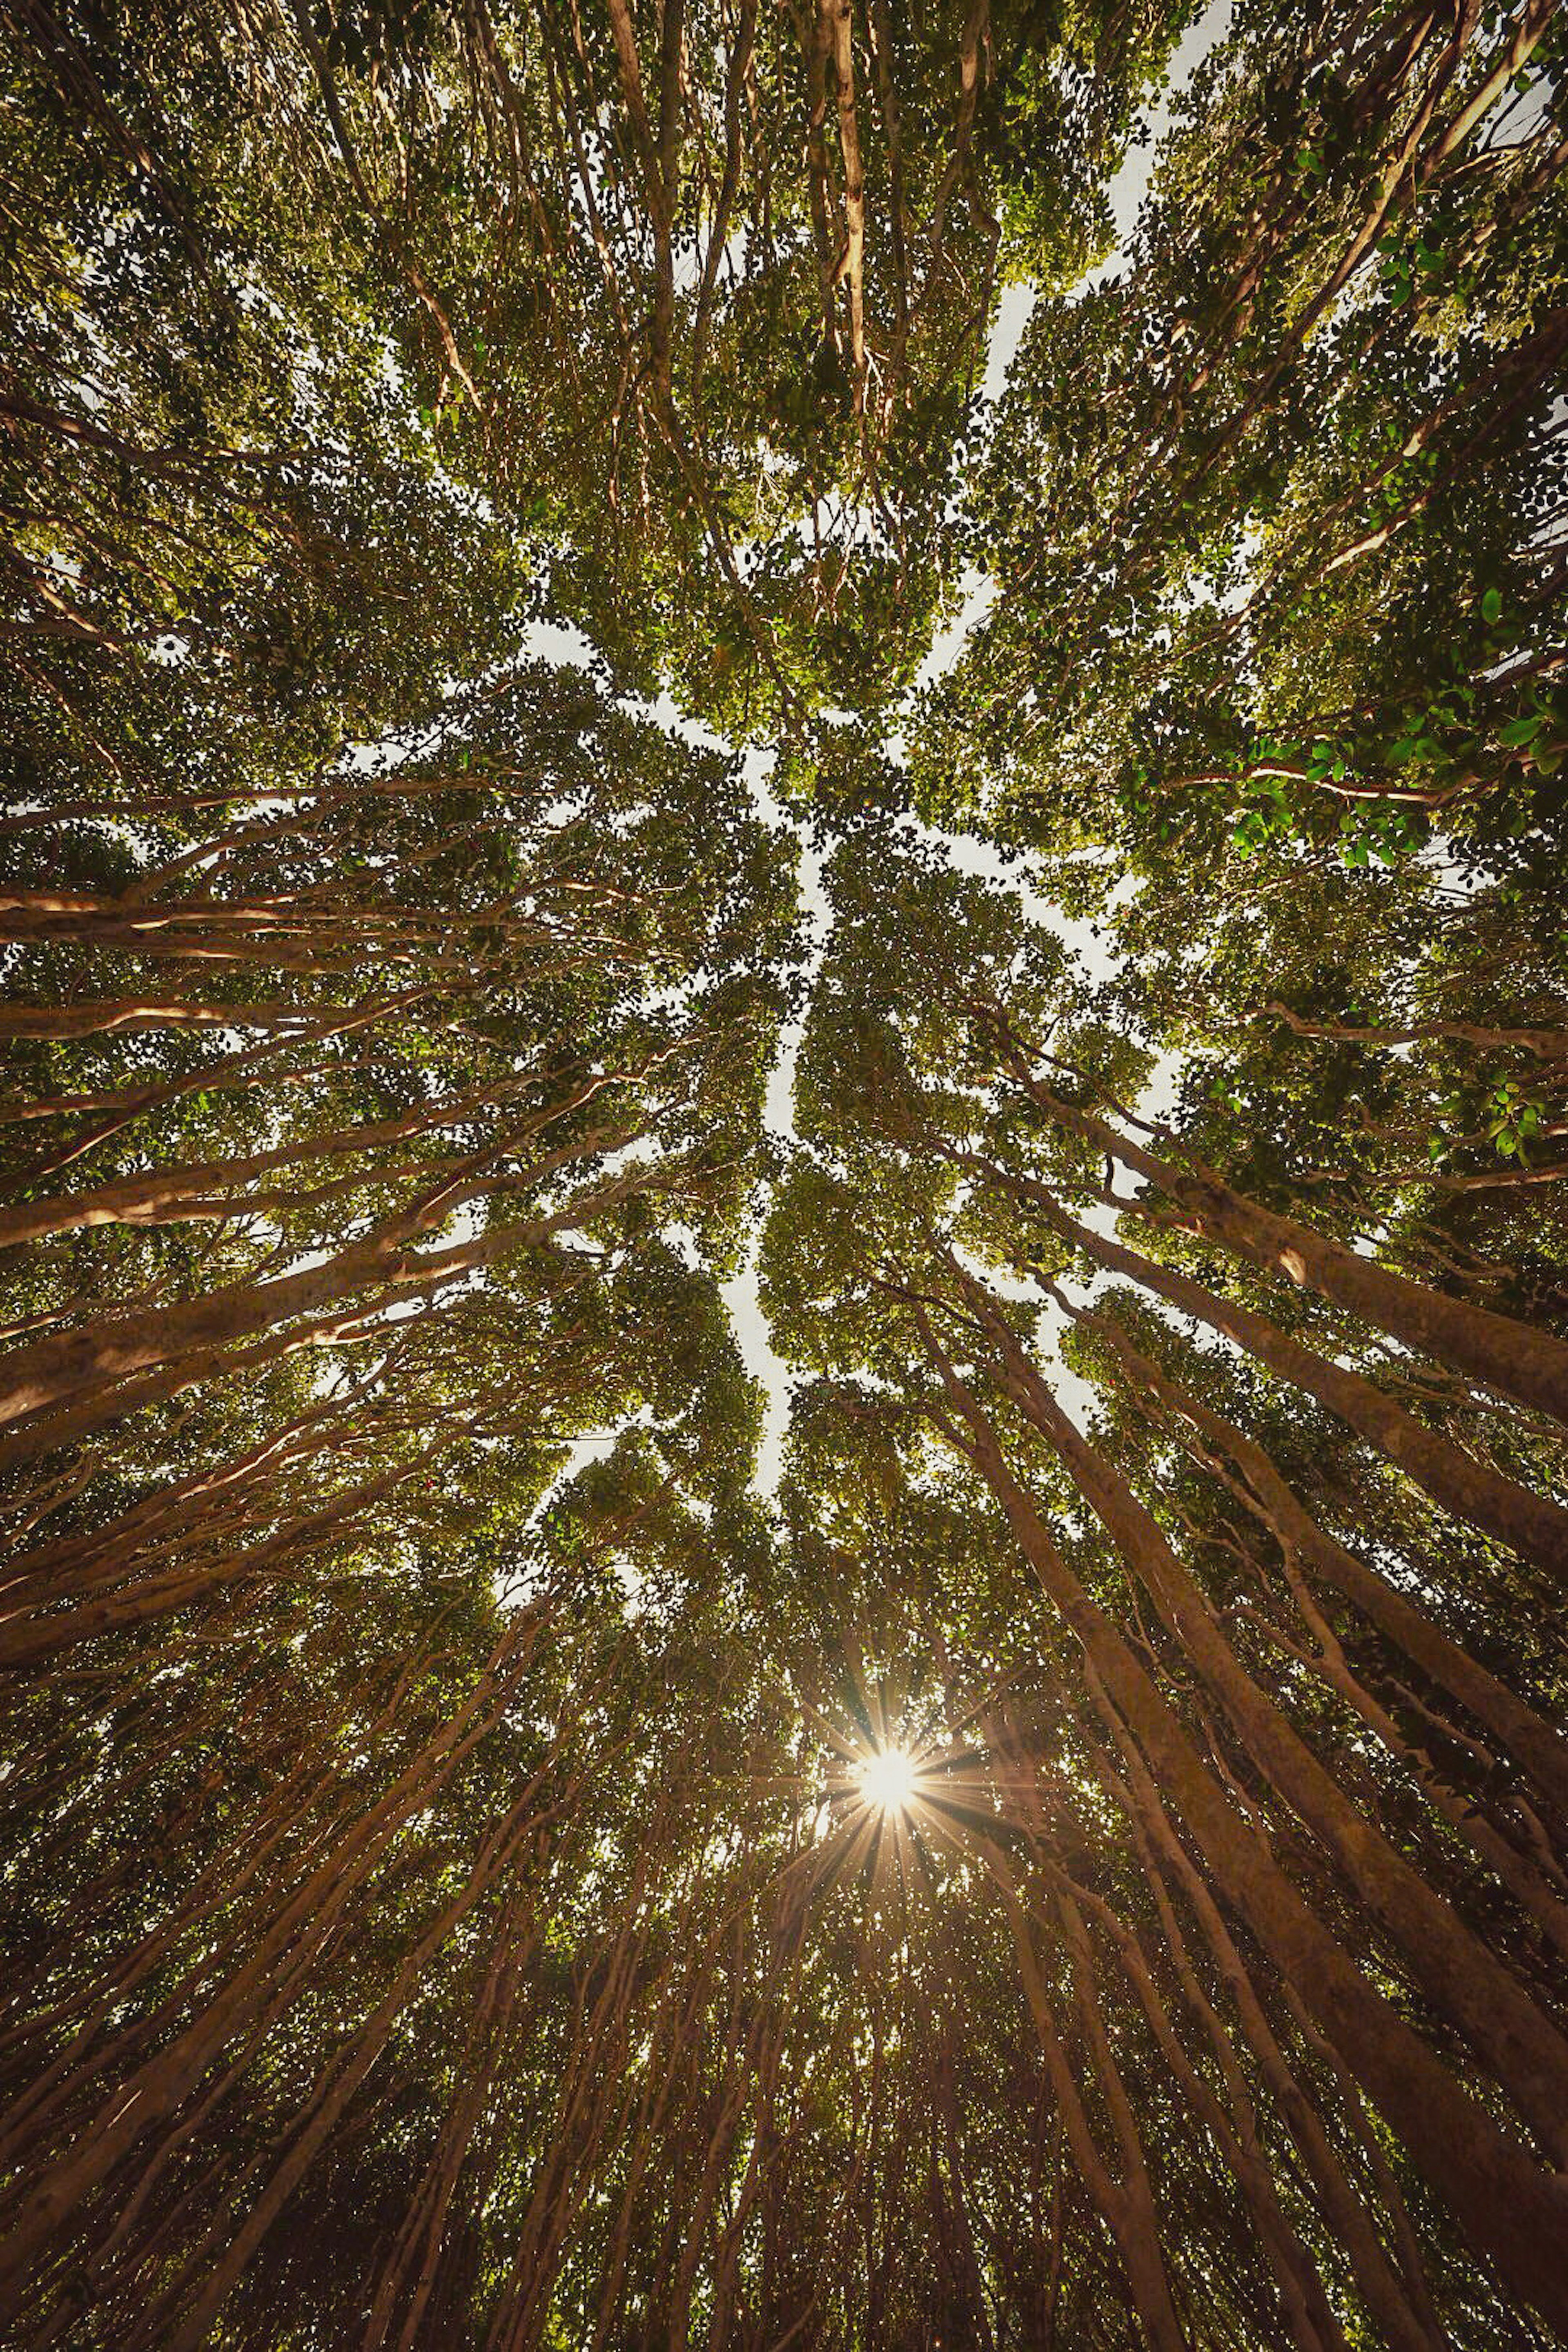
(784,1285)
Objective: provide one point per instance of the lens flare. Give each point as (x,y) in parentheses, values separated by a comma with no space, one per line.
(887,1780)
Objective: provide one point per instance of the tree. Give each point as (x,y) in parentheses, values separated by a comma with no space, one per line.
(1087,1863)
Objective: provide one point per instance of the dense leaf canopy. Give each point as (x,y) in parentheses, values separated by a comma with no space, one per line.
(783,1264)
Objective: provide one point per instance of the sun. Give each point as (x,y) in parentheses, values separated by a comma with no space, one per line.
(887,1780)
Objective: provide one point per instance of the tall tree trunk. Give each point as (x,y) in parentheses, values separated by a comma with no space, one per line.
(1517,1359)
(1513,2211)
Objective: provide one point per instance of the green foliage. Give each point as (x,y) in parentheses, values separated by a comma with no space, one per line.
(479,491)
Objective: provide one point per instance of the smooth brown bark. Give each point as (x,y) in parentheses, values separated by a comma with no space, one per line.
(1541,1750)
(1529,1524)
(1518,1360)
(1512,2210)
(1457,1972)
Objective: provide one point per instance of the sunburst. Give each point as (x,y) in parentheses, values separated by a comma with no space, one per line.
(889,1779)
